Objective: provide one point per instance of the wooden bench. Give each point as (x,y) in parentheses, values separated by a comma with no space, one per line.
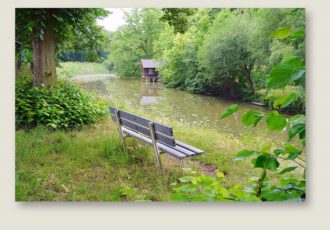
(158,135)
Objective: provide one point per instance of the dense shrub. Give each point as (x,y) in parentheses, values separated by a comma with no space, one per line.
(63,106)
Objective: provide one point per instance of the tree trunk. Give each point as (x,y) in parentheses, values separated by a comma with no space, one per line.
(247,71)
(250,82)
(44,64)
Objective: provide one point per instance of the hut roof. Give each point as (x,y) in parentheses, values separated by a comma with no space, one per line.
(148,63)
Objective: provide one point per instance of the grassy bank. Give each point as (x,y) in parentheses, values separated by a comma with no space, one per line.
(89,164)
(86,165)
(71,69)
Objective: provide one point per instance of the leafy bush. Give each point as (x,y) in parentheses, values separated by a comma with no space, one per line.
(207,188)
(63,106)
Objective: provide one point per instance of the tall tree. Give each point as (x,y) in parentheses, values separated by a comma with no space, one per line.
(135,41)
(46,29)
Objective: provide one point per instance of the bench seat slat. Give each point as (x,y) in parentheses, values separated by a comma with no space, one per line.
(185,151)
(184,145)
(177,151)
(134,126)
(173,152)
(160,128)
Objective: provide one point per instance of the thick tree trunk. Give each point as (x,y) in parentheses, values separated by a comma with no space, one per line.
(44,64)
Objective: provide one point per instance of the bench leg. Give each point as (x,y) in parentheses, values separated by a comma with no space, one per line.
(181,163)
(120,131)
(154,143)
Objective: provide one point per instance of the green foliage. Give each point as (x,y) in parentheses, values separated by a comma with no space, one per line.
(290,99)
(229,111)
(251,117)
(289,70)
(241,155)
(178,18)
(226,45)
(266,161)
(285,100)
(31,23)
(203,188)
(275,122)
(135,41)
(63,106)
(180,62)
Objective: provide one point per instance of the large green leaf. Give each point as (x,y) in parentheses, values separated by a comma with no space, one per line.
(288,169)
(289,70)
(297,119)
(281,33)
(278,152)
(251,118)
(292,151)
(230,110)
(275,122)
(285,100)
(290,192)
(297,129)
(241,155)
(266,161)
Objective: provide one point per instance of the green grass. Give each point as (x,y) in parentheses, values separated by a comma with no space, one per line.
(90,164)
(72,69)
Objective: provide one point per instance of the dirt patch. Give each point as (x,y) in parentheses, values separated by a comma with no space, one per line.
(207,169)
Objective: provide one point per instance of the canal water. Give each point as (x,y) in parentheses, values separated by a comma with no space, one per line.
(173,105)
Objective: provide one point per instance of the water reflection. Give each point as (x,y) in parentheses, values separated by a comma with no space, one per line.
(149,93)
(184,108)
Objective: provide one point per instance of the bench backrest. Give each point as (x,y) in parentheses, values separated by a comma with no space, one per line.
(164,134)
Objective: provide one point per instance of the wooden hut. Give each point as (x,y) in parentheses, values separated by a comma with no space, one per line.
(149,69)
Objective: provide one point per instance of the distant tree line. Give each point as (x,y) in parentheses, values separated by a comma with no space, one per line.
(83,56)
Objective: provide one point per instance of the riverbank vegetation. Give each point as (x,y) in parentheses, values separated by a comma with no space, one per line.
(223,52)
